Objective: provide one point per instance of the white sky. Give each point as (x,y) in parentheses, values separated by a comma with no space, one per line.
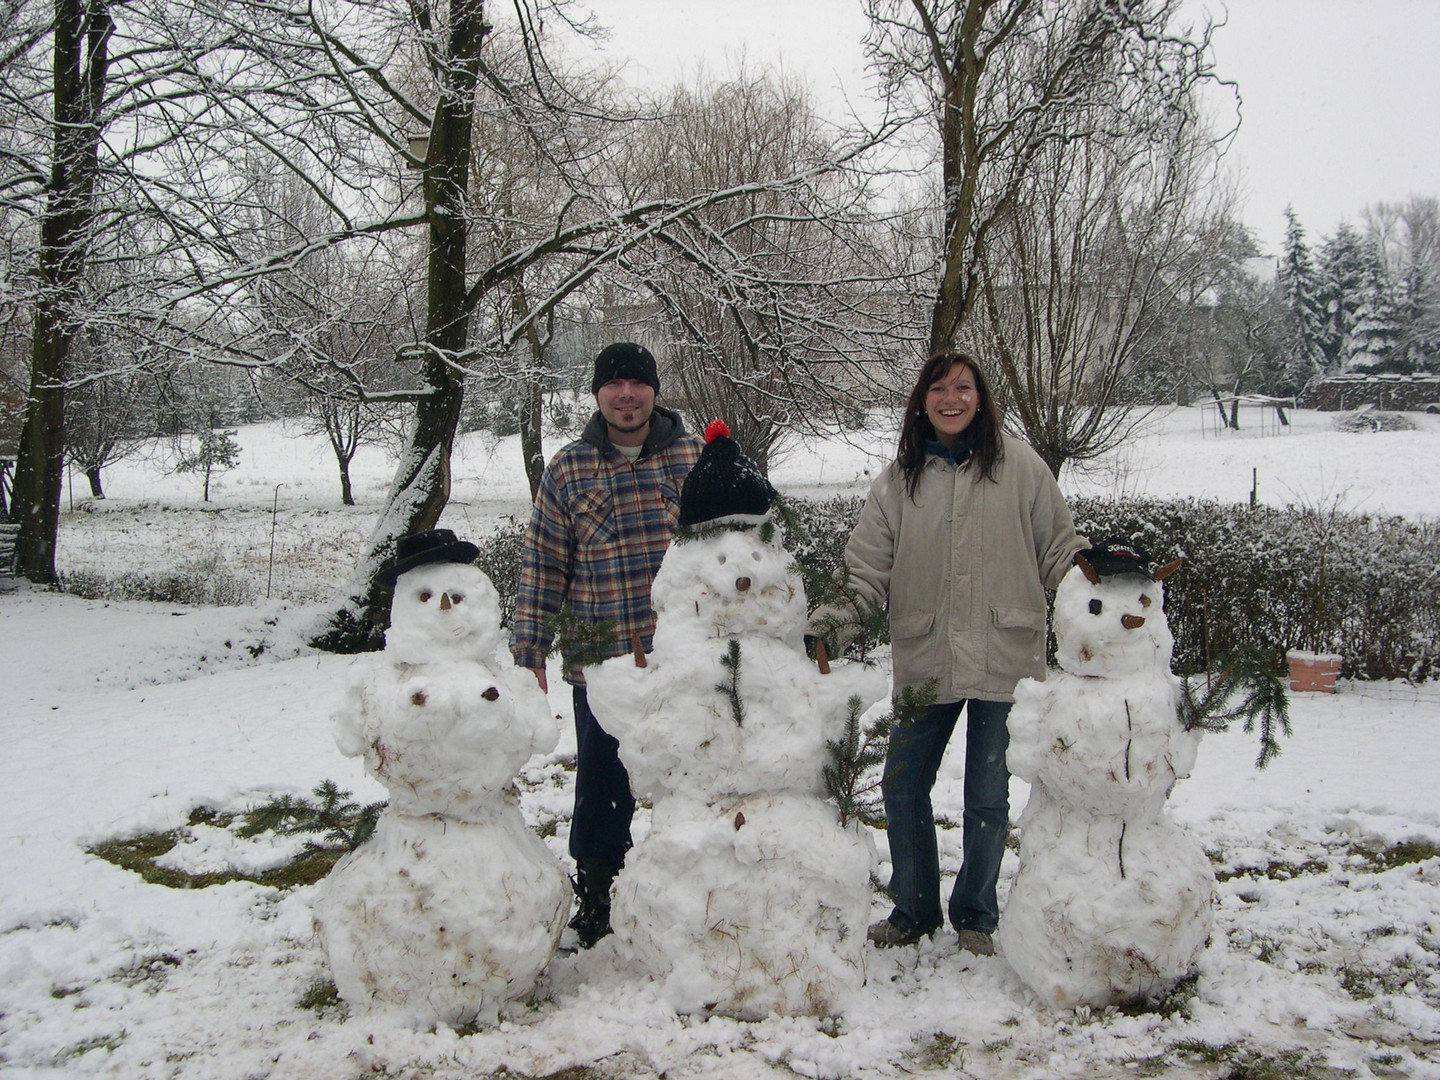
(1340,96)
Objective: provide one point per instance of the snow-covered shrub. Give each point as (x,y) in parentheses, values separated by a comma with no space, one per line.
(499,558)
(1369,420)
(204,582)
(815,533)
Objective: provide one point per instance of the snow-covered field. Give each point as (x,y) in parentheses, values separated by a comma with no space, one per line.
(123,717)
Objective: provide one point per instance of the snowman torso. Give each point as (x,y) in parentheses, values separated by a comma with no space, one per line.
(1113,901)
(454,906)
(747,896)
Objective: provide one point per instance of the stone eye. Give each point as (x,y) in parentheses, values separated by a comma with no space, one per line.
(1096,606)
(491,694)
(1144,600)
(756,556)
(720,559)
(425,595)
(457,598)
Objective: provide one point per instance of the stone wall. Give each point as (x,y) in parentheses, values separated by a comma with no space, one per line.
(1401,393)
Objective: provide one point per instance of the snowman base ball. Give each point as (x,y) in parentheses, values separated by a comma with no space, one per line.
(1106,915)
(441,920)
(741,908)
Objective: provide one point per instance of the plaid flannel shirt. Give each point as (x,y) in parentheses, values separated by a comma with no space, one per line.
(598,530)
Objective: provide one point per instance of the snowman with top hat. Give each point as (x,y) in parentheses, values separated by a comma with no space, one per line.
(454,906)
(1113,902)
(747,897)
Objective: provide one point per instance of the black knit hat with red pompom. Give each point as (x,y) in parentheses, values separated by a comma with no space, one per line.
(725,487)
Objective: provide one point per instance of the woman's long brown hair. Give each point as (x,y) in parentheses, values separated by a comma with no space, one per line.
(983,434)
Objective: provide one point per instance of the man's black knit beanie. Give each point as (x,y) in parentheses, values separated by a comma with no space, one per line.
(625,360)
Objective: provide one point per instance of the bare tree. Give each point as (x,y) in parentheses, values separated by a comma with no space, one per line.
(1108,250)
(771,307)
(999,81)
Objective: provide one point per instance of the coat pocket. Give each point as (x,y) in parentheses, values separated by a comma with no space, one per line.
(914,625)
(1016,646)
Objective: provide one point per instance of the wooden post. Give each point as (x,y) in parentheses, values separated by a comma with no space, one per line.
(638,649)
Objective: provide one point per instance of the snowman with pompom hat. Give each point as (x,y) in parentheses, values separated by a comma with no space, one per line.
(747,897)
(1113,901)
(454,906)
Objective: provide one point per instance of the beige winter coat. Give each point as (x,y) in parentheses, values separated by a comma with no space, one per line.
(963,568)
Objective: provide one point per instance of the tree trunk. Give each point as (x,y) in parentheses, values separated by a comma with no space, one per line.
(92,474)
(421,486)
(347,494)
(81,36)
(960,169)
(532,448)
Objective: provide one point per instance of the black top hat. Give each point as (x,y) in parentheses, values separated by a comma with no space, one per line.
(435,546)
(1114,557)
(725,487)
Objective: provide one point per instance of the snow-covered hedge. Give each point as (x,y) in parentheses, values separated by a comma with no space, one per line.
(1362,585)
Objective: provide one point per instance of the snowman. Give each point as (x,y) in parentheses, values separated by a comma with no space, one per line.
(1113,902)
(747,897)
(453,907)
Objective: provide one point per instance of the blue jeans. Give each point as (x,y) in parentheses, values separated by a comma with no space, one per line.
(911,763)
(600,826)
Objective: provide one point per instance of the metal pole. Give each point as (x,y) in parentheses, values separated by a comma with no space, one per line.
(270,573)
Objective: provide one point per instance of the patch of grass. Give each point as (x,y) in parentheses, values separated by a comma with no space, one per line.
(344,825)
(1170,1003)
(1286,1065)
(1201,1051)
(321,997)
(1363,983)
(149,972)
(138,854)
(1275,870)
(1405,853)
(85,1046)
(935,1051)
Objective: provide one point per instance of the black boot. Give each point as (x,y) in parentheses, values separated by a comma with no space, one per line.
(592,886)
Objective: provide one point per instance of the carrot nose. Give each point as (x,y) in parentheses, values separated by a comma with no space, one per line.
(444,601)
(742,584)
(1132,622)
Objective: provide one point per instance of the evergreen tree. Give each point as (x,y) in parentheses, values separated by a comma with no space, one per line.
(1300,283)
(1375,338)
(1418,317)
(1343,278)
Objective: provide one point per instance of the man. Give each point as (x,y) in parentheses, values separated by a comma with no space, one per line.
(600,525)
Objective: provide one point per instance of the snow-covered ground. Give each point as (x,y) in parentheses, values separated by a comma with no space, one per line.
(123,717)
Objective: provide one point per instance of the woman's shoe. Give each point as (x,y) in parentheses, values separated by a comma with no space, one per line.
(977,942)
(886,935)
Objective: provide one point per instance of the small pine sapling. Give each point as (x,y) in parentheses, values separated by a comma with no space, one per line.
(580,643)
(731,689)
(1249,674)
(854,623)
(346,825)
(850,778)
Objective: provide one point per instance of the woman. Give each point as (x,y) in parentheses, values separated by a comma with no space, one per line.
(959,538)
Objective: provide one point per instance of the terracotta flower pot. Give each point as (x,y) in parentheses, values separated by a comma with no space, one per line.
(1312,672)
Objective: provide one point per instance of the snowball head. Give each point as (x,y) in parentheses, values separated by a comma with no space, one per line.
(1117,627)
(730,582)
(443,609)
(442,921)
(445,737)
(750,908)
